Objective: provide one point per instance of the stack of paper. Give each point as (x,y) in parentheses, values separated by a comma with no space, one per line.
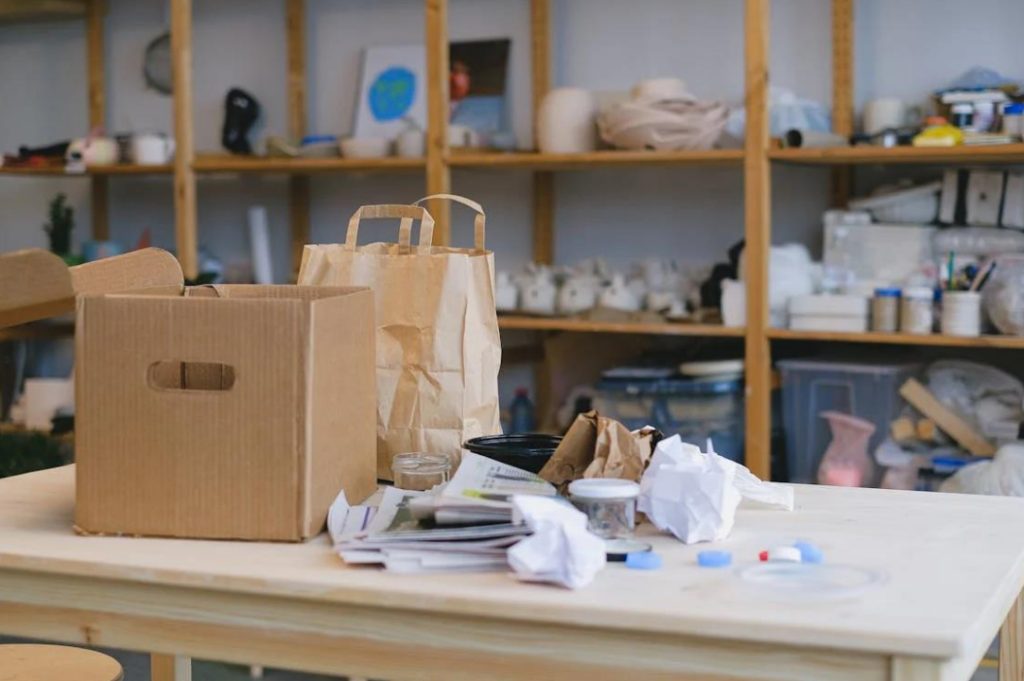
(467,525)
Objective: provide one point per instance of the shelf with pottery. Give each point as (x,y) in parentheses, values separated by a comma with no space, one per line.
(606,158)
(937,340)
(860,155)
(226,163)
(528,323)
(92,171)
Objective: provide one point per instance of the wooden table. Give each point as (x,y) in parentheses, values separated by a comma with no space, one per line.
(953,567)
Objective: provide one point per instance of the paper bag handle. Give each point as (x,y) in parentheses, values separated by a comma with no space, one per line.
(407,215)
(479,224)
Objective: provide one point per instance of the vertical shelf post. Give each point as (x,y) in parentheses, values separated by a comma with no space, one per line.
(298,185)
(543,182)
(757,229)
(439,179)
(95,52)
(185,215)
(842,91)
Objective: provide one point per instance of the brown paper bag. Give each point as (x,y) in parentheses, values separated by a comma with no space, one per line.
(438,348)
(598,447)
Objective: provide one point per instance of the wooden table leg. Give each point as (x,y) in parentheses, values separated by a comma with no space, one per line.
(1011,643)
(170,668)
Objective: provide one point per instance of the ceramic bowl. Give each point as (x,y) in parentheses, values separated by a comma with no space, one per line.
(365,147)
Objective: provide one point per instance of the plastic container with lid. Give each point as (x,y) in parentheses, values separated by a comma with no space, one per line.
(695,409)
(1013,119)
(810,387)
(917,311)
(885,310)
(420,471)
(609,504)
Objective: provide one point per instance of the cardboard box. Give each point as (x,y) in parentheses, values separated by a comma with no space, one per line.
(229,412)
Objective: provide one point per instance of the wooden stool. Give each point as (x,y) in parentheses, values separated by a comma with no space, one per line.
(30,662)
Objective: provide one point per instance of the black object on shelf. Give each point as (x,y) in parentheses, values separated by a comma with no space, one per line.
(241,110)
(528,451)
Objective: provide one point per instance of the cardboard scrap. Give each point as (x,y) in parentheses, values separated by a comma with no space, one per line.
(599,447)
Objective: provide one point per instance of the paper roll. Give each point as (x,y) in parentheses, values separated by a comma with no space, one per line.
(259,241)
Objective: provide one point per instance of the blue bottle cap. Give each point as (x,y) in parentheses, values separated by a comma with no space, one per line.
(887,292)
(809,553)
(643,560)
(714,559)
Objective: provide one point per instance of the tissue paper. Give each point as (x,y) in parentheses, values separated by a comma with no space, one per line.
(561,549)
(694,494)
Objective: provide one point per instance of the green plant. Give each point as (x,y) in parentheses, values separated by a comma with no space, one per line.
(62,222)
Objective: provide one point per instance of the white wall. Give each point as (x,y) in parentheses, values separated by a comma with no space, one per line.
(904,47)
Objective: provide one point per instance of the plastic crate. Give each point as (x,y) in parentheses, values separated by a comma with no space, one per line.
(694,409)
(809,387)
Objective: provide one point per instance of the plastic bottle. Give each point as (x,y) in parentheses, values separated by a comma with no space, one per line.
(521,416)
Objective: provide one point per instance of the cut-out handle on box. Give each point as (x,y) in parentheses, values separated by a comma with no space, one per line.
(190,376)
(407,215)
(479,224)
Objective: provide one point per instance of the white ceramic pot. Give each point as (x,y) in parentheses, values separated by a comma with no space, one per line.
(150,149)
(618,296)
(365,147)
(538,297)
(411,143)
(463,136)
(656,89)
(94,151)
(506,294)
(578,294)
(566,122)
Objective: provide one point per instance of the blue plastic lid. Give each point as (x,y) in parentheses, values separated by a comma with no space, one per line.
(643,560)
(317,139)
(809,553)
(673,386)
(714,559)
(1014,109)
(887,292)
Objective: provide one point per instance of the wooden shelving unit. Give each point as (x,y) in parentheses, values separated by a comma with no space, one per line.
(936,340)
(596,159)
(95,171)
(755,160)
(225,163)
(523,323)
(863,155)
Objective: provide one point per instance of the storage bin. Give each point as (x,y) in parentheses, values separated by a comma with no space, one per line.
(694,409)
(809,387)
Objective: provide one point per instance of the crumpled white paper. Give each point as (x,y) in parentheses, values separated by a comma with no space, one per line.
(694,494)
(561,549)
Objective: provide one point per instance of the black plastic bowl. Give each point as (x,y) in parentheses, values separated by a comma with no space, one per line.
(529,451)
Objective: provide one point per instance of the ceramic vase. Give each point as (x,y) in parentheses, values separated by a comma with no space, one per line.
(566,122)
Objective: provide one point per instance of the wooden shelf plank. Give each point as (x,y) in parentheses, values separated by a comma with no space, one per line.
(521,323)
(119,169)
(1002,153)
(38,331)
(531,160)
(1011,342)
(40,10)
(224,163)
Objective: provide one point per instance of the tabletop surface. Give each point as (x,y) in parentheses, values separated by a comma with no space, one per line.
(949,567)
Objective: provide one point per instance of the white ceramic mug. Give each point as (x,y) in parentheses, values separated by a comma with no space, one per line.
(884,113)
(151,149)
(566,122)
(463,136)
(961,313)
(411,143)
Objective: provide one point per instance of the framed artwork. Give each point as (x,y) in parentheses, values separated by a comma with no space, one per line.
(478,85)
(392,91)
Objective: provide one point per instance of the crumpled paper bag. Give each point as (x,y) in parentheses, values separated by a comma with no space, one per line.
(694,494)
(561,549)
(598,447)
